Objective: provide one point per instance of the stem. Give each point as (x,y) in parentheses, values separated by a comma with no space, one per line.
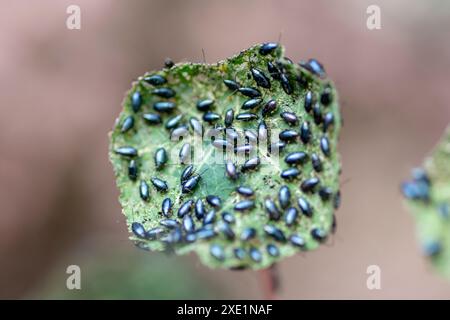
(270,282)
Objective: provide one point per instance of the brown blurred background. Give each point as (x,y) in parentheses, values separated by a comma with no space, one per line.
(62,89)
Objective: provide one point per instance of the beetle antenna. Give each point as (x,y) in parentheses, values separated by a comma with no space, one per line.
(204,171)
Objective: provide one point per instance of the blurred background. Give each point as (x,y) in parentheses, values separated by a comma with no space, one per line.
(61,91)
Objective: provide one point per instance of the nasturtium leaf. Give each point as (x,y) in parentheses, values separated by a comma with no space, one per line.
(228,121)
(428,197)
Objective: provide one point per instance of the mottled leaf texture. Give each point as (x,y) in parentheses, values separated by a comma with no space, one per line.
(428,197)
(251,227)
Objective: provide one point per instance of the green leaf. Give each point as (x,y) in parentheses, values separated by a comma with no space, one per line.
(192,83)
(428,194)
(147,277)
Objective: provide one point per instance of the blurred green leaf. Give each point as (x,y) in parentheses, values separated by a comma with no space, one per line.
(120,275)
(428,195)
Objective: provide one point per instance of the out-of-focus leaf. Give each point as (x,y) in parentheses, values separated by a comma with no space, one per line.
(428,194)
(121,275)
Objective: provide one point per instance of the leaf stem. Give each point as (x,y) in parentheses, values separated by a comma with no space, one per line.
(270,282)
